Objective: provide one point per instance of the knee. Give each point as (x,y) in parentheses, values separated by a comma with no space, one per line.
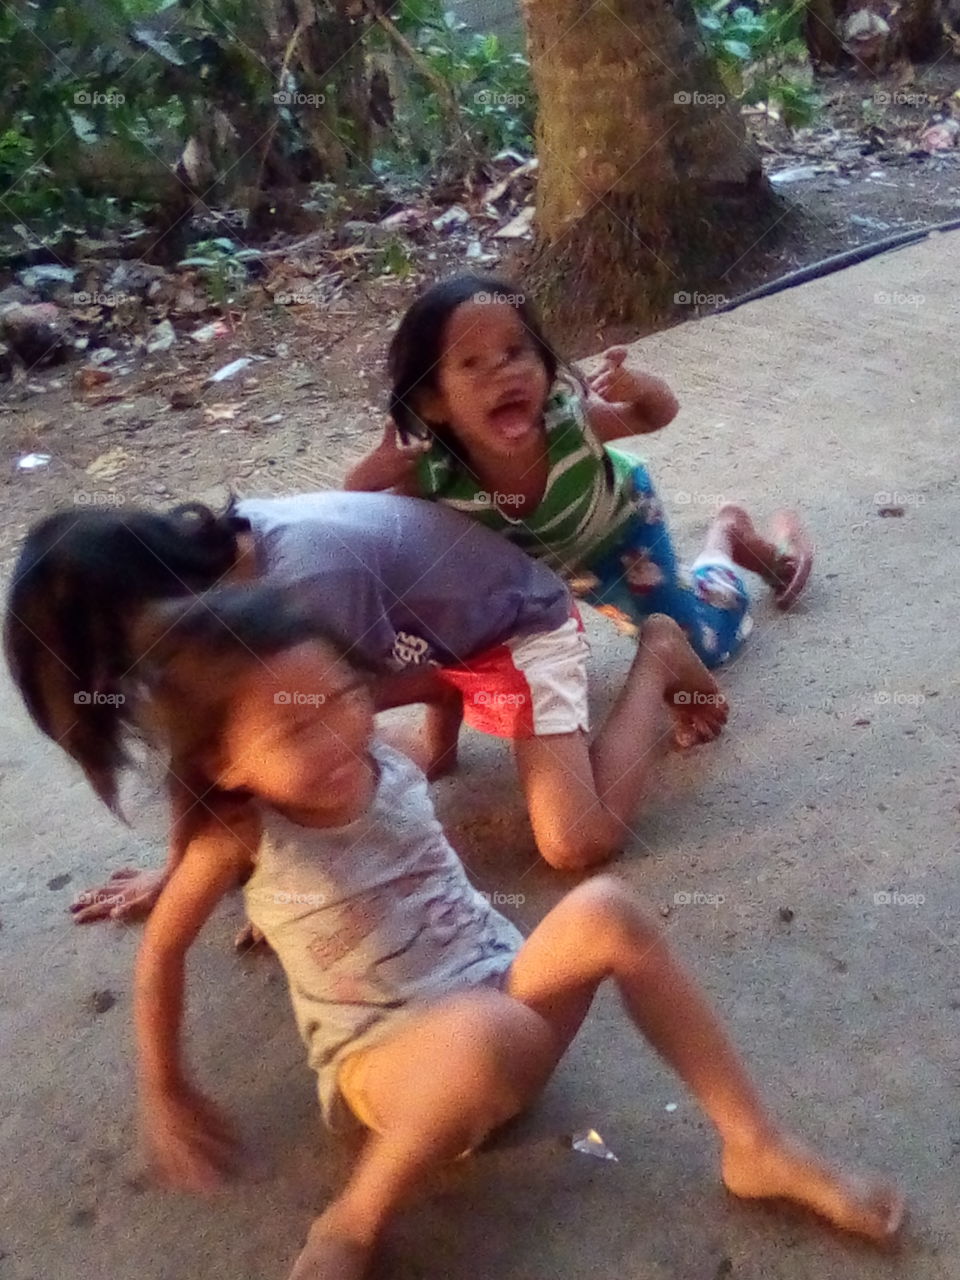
(572,852)
(611,916)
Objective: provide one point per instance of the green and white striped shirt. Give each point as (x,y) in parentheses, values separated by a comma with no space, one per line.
(587,502)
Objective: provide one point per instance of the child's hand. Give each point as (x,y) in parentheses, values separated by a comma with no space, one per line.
(189,1141)
(127,895)
(391,465)
(614,382)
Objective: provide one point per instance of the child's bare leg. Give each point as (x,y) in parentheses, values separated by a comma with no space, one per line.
(581,798)
(600,930)
(434,747)
(437,1088)
(783,560)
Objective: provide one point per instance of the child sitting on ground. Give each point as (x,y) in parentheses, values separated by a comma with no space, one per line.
(426,1015)
(500,436)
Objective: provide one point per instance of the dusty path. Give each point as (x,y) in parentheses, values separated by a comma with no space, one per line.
(837,782)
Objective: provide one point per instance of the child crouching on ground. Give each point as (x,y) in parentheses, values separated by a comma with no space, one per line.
(426,1015)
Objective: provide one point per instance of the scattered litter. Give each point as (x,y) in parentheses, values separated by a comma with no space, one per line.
(230,370)
(518,227)
(221,412)
(941,136)
(184,398)
(101,1001)
(402,220)
(207,332)
(108,465)
(589,1142)
(802,173)
(162,338)
(888,512)
(786,914)
(274,417)
(102,355)
(88,378)
(455,216)
(46,273)
(33,461)
(671,1106)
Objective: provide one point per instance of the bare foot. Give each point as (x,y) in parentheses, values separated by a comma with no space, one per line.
(127,895)
(787,1169)
(329,1257)
(692,695)
(783,560)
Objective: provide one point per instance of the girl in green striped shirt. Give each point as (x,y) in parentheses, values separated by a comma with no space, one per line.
(484,418)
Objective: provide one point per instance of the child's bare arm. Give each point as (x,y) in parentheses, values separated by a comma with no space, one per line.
(385,467)
(626,402)
(186,1138)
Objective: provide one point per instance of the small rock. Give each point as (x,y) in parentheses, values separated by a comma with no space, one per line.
(102,355)
(162,337)
(83,1218)
(858,723)
(101,1001)
(59,881)
(786,914)
(665,910)
(36,332)
(888,512)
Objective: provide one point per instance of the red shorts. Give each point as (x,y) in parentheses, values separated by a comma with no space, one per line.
(528,687)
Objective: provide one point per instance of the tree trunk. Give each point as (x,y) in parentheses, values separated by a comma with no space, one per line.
(873,35)
(648,187)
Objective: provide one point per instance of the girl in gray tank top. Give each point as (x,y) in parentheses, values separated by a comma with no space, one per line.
(423,1010)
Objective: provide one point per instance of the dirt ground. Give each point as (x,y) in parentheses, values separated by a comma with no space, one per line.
(805,864)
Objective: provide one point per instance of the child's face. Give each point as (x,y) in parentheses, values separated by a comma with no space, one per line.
(298,735)
(491,381)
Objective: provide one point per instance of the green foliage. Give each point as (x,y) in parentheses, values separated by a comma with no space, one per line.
(490,104)
(758,53)
(222,264)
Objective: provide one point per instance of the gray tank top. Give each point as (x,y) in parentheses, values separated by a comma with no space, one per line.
(399,581)
(370,917)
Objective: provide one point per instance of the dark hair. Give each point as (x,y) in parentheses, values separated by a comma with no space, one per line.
(417,346)
(195,652)
(81,581)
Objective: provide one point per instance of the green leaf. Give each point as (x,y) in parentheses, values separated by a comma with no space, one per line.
(737,48)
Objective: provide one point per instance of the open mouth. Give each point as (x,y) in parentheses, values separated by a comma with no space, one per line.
(511,416)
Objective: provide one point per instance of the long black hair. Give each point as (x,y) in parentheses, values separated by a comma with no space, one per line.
(417,346)
(80,583)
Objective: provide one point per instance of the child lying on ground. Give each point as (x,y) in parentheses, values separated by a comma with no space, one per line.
(426,1015)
